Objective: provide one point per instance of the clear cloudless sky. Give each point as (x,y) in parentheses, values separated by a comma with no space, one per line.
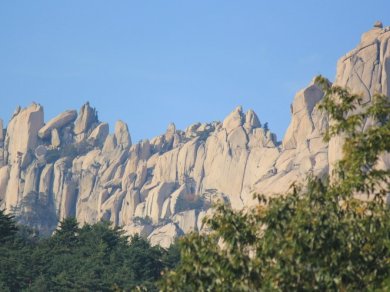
(152,62)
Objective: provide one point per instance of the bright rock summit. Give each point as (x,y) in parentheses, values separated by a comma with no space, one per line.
(163,188)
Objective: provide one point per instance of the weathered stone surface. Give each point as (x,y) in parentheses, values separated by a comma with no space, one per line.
(99,134)
(85,122)
(156,198)
(58,122)
(366,71)
(225,162)
(140,210)
(20,142)
(171,130)
(55,138)
(156,180)
(302,124)
(67,135)
(164,187)
(111,207)
(22,133)
(251,121)
(13,193)
(31,180)
(122,134)
(234,120)
(130,202)
(110,143)
(175,198)
(64,188)
(186,220)
(164,236)
(4,177)
(40,152)
(46,182)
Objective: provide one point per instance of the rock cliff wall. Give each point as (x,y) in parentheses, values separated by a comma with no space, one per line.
(73,166)
(366,71)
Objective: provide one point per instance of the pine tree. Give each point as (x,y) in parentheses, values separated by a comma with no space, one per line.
(8,227)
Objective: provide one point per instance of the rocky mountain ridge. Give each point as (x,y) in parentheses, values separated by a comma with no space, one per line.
(162,188)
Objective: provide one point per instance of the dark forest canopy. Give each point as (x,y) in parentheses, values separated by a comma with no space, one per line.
(94,257)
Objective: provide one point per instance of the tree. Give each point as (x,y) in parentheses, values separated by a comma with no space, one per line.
(319,236)
(67,232)
(8,227)
(94,257)
(37,213)
(266,128)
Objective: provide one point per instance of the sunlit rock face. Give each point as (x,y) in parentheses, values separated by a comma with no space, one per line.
(366,71)
(73,166)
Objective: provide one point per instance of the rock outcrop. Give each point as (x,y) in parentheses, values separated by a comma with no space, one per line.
(365,71)
(57,123)
(163,188)
(86,122)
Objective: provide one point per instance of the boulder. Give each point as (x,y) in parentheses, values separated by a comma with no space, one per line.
(57,123)
(378,24)
(55,138)
(165,235)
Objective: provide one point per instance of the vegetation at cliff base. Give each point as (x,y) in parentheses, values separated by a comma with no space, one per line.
(94,257)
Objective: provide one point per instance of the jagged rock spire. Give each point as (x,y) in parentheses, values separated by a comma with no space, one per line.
(122,134)
(86,121)
(251,121)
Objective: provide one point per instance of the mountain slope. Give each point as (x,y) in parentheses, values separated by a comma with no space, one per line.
(162,188)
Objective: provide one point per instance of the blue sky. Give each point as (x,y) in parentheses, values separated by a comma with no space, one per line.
(150,63)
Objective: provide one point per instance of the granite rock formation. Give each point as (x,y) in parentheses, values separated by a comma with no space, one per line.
(366,71)
(163,187)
